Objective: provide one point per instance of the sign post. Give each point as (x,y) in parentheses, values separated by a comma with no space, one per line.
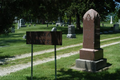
(31,61)
(43,38)
(55,64)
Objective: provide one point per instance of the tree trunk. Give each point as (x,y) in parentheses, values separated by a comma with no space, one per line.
(78,21)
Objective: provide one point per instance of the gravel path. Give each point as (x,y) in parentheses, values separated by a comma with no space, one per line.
(8,70)
(52,50)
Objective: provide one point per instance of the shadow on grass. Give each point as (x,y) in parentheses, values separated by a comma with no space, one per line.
(78,75)
(5,40)
(35,78)
(3,59)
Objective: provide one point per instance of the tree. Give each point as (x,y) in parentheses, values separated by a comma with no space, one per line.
(79,7)
(8,11)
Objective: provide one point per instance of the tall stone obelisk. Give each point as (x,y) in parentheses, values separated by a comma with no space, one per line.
(91,55)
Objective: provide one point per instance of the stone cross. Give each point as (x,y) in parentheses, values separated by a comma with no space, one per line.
(91,36)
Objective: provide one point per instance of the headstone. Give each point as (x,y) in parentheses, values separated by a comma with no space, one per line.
(54,29)
(15,20)
(119,21)
(18,25)
(71,31)
(91,55)
(59,24)
(116,28)
(13,29)
(24,36)
(22,23)
(111,20)
(29,25)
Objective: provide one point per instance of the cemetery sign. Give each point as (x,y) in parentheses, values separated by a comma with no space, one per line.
(44,38)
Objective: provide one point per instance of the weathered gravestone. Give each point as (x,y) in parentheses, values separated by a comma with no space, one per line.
(91,55)
(71,31)
(119,21)
(18,25)
(22,23)
(116,28)
(13,29)
(54,29)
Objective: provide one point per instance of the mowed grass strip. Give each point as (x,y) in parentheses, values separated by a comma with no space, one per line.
(64,72)
(51,54)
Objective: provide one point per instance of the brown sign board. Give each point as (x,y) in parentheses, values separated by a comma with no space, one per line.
(44,37)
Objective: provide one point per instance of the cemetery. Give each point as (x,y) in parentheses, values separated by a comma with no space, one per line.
(80,45)
(15,43)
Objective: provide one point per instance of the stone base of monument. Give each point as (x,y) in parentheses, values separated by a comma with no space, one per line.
(89,65)
(71,35)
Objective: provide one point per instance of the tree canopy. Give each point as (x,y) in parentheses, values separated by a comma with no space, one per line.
(50,9)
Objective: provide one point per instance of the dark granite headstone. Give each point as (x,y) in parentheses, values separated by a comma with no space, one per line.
(91,54)
(116,28)
(13,29)
(71,31)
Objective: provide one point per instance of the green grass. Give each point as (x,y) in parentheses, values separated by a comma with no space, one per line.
(64,72)
(51,54)
(15,45)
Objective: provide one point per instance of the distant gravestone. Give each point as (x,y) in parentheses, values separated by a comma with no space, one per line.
(24,36)
(111,20)
(71,31)
(22,23)
(18,25)
(13,29)
(91,55)
(116,28)
(59,24)
(119,21)
(54,29)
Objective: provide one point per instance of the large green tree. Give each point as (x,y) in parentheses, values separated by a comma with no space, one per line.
(50,9)
(79,7)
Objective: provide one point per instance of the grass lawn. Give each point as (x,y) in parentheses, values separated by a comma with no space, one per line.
(13,44)
(64,72)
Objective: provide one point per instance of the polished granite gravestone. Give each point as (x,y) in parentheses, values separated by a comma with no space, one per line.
(91,55)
